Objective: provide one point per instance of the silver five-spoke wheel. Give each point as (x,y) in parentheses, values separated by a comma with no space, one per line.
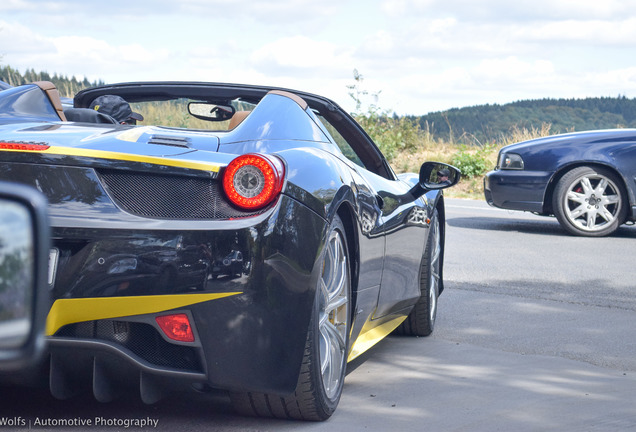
(333,313)
(588,201)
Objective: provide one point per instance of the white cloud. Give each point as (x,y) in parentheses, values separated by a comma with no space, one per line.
(19,39)
(265,12)
(300,54)
(14,5)
(513,68)
(501,81)
(607,83)
(402,7)
(421,55)
(593,32)
(81,56)
(505,10)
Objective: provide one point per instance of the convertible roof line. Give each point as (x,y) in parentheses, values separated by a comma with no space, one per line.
(167,90)
(300,101)
(54,96)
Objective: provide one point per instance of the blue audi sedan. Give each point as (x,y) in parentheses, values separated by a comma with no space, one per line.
(586,179)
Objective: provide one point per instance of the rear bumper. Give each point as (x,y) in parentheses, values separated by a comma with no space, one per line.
(108,370)
(250,323)
(517,190)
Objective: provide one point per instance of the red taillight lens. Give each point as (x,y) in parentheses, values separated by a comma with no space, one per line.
(4,145)
(252,181)
(176,327)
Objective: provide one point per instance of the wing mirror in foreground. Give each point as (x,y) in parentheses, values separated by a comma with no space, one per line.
(24,294)
(434,176)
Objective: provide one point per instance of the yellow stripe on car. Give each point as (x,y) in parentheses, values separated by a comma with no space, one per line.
(70,311)
(110,155)
(102,154)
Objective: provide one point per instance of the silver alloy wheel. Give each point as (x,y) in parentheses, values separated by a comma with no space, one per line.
(434,276)
(333,314)
(592,202)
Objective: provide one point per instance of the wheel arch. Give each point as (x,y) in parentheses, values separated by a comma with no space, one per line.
(558,175)
(347,216)
(436,201)
(441,212)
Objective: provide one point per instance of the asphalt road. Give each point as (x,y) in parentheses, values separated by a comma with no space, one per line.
(535,332)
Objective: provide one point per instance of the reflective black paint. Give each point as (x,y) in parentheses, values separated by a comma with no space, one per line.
(252,341)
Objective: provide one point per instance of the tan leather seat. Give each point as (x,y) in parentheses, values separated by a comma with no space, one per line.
(53,95)
(237,118)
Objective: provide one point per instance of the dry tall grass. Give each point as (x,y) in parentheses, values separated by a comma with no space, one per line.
(174,114)
(431,149)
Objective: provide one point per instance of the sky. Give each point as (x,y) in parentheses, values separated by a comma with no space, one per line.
(415,56)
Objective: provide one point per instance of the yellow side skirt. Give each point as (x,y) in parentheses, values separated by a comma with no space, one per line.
(372,332)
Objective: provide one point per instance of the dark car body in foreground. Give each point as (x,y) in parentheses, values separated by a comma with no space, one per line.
(585,179)
(24,297)
(256,256)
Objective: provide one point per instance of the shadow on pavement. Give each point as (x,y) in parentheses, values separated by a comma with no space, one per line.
(549,226)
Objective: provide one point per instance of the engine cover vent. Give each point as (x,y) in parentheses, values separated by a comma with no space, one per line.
(170,141)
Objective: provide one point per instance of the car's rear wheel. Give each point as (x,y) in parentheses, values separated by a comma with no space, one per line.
(421,320)
(590,202)
(324,363)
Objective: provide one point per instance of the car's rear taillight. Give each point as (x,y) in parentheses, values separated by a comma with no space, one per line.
(252,181)
(25,146)
(177,327)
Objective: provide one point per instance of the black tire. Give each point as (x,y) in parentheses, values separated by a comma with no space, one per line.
(590,201)
(421,320)
(317,392)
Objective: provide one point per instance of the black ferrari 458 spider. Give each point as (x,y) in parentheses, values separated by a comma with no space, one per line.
(240,238)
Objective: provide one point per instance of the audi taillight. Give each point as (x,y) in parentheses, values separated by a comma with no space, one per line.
(252,181)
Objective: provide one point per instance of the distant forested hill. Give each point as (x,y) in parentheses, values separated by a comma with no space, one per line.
(488,123)
(66,86)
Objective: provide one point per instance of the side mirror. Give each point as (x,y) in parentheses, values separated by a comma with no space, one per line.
(211,112)
(24,254)
(435,176)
